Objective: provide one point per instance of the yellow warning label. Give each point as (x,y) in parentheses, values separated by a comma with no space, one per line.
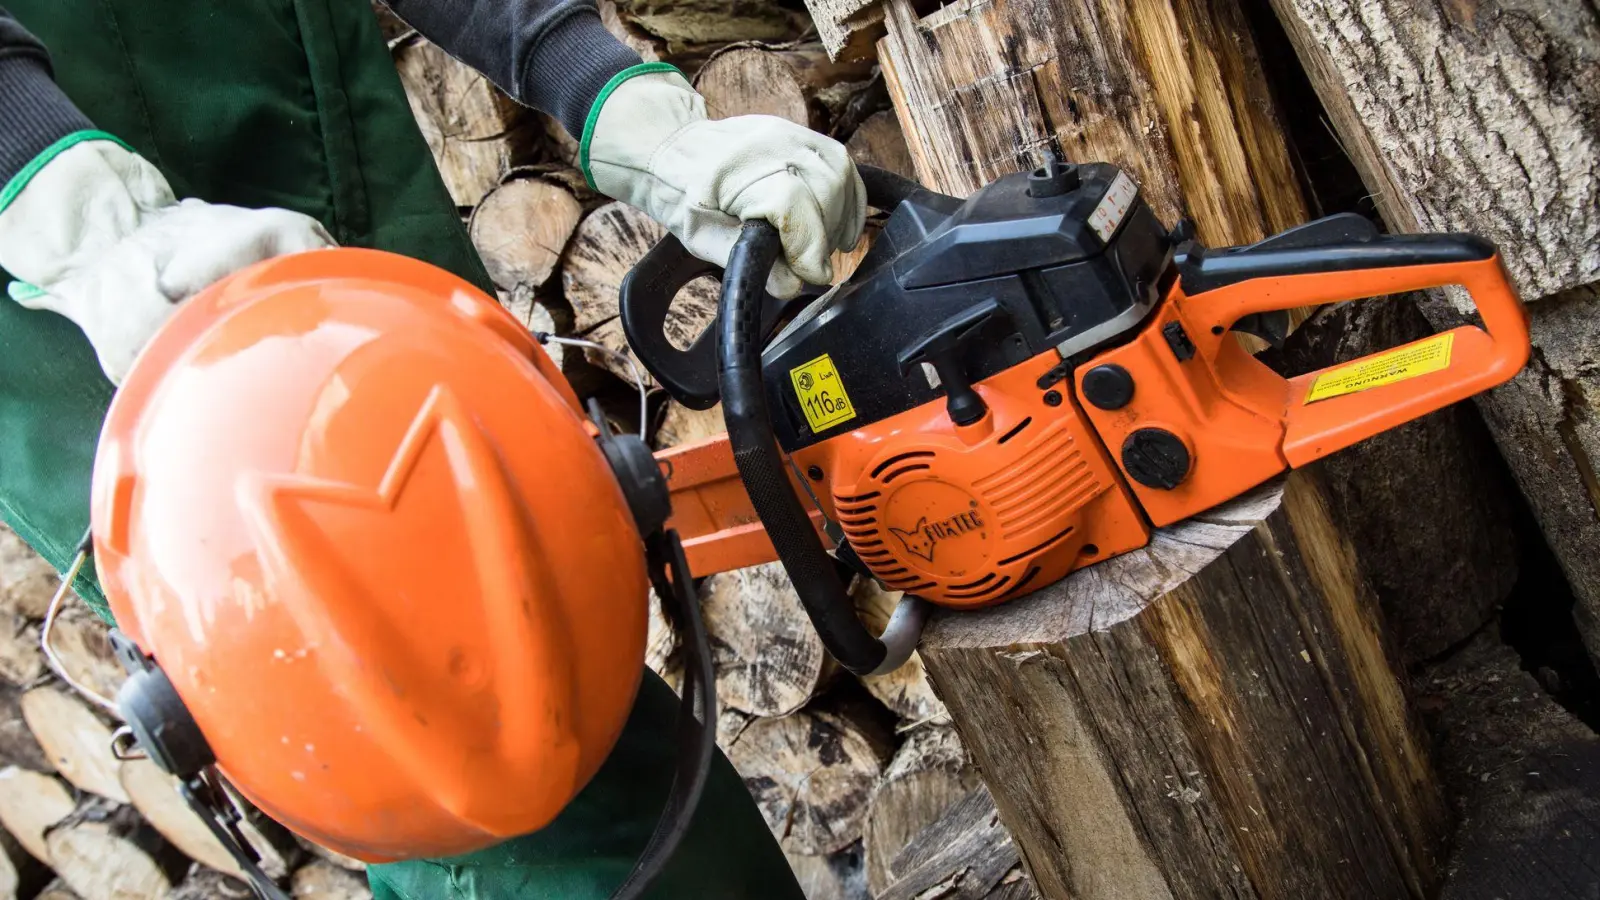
(821,393)
(1407,362)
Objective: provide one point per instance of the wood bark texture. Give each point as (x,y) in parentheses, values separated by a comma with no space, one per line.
(768,658)
(77,742)
(607,244)
(709,21)
(811,774)
(1214,715)
(848,28)
(475,132)
(965,854)
(1170,90)
(928,775)
(323,880)
(520,230)
(1428,506)
(106,852)
(1473,115)
(30,804)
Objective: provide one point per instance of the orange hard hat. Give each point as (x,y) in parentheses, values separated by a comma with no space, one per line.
(354,514)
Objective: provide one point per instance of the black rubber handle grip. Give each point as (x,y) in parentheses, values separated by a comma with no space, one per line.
(760,463)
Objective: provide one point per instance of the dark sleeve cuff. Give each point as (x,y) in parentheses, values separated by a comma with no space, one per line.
(568,68)
(34,113)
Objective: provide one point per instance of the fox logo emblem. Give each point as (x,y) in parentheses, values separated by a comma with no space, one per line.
(922,539)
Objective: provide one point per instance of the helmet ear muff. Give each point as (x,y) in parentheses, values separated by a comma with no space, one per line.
(160,722)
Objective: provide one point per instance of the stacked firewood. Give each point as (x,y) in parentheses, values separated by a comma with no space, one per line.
(864,782)
(78,822)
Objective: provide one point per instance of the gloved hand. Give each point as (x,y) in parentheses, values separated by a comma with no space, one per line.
(650,145)
(96,235)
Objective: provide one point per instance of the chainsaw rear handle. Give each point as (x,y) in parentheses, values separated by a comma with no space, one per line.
(761,467)
(1393,386)
(647,293)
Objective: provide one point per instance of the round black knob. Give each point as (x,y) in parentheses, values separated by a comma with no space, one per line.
(1053,179)
(1108,386)
(1155,458)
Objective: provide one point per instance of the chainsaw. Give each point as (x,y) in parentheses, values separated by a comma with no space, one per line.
(1026,382)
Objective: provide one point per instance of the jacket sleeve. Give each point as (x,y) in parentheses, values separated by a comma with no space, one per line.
(34,113)
(552,55)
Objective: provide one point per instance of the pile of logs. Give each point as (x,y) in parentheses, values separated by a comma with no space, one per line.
(77,823)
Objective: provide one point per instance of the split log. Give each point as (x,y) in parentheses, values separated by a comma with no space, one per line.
(204,884)
(1400,496)
(21,875)
(768,658)
(965,854)
(77,743)
(520,230)
(57,890)
(837,876)
(30,804)
(1486,118)
(82,641)
(106,852)
(21,660)
(155,795)
(811,774)
(906,691)
(881,142)
(712,21)
(848,28)
(27,582)
(928,775)
(795,82)
(1213,715)
(523,304)
(605,247)
(476,133)
(325,881)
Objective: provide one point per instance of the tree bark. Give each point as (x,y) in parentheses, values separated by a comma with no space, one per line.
(848,28)
(76,741)
(709,21)
(323,880)
(520,230)
(797,82)
(928,775)
(106,852)
(1213,715)
(965,854)
(1485,117)
(768,658)
(30,804)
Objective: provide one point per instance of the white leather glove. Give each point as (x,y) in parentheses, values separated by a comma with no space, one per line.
(651,146)
(97,236)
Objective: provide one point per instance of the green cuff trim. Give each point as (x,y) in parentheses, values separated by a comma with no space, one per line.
(22,292)
(21,179)
(599,102)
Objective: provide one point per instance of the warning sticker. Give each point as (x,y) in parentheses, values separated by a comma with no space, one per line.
(821,393)
(1420,358)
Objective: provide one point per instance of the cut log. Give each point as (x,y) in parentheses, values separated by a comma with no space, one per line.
(795,82)
(348,863)
(204,884)
(880,142)
(1172,92)
(811,774)
(837,876)
(661,648)
(77,743)
(848,28)
(682,425)
(476,133)
(21,875)
(82,641)
(154,794)
(1483,118)
(712,21)
(30,804)
(57,890)
(21,660)
(1214,715)
(768,657)
(323,880)
(27,582)
(928,775)
(1400,496)
(965,854)
(106,852)
(520,230)
(18,746)
(906,691)
(606,246)
(536,317)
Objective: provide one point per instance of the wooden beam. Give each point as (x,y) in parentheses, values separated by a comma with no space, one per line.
(1212,716)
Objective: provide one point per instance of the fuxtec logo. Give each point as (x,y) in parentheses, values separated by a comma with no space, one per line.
(923,538)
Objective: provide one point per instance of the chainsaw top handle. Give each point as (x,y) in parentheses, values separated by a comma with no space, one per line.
(647,293)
